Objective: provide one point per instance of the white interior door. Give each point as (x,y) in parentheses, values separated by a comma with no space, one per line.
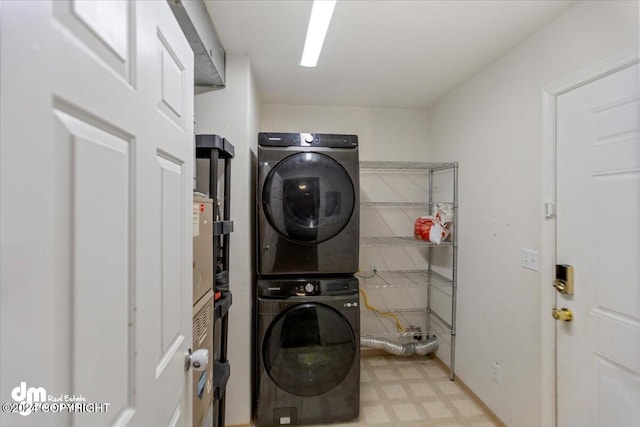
(96,172)
(598,233)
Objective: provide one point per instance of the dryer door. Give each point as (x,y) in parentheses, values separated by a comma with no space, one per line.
(308,197)
(309,349)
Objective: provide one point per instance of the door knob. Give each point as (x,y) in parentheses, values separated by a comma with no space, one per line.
(562,314)
(198,360)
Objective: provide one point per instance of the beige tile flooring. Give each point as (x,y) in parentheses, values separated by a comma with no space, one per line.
(412,392)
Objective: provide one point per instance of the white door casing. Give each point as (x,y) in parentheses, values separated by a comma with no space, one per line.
(598,232)
(96,167)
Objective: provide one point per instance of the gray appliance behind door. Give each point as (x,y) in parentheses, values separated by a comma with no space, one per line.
(307,204)
(202,246)
(308,351)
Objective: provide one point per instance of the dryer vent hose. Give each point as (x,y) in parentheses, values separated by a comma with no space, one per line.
(408,349)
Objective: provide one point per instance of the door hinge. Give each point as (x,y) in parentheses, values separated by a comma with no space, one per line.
(549,210)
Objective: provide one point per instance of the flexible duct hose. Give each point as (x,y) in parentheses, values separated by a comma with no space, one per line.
(420,348)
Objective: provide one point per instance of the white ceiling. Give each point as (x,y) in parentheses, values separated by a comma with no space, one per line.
(376,53)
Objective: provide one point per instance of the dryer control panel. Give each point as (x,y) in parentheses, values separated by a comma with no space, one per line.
(271,139)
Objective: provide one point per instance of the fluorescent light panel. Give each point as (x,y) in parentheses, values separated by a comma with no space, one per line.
(321,12)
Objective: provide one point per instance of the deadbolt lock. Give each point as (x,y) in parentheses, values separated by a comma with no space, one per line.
(562,314)
(564,279)
(560,286)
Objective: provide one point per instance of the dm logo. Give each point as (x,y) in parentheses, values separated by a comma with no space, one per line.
(31,395)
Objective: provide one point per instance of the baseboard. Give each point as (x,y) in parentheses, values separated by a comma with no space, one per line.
(483,407)
(241,425)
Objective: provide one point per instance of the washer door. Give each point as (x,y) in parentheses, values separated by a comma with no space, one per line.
(309,349)
(308,197)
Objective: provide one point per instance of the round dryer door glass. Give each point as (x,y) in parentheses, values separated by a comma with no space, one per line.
(308,197)
(309,349)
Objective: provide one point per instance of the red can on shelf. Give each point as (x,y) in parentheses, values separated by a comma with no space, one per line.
(429,229)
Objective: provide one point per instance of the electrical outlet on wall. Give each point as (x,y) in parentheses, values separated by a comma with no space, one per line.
(530,259)
(496,373)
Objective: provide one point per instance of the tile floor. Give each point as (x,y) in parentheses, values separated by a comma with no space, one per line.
(412,392)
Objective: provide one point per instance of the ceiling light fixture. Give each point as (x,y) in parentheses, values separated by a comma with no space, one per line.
(321,12)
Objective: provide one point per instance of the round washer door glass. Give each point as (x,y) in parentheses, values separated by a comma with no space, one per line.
(309,349)
(308,197)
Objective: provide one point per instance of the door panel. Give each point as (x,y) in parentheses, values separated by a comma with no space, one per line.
(617,123)
(308,197)
(172,83)
(94,221)
(101,287)
(619,268)
(616,393)
(105,28)
(598,232)
(309,349)
(108,20)
(164,214)
(172,262)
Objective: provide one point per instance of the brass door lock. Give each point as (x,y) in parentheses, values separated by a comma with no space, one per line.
(564,279)
(562,314)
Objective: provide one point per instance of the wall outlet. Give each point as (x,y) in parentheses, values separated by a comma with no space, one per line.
(530,259)
(496,373)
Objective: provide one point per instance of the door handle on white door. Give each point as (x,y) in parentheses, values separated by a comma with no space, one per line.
(562,314)
(198,360)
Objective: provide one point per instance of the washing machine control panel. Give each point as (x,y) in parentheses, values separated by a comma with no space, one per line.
(308,288)
(289,288)
(275,288)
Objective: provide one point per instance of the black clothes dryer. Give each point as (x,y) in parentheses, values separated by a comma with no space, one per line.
(308,349)
(308,204)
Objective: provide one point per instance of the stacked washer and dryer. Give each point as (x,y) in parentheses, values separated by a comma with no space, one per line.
(307,306)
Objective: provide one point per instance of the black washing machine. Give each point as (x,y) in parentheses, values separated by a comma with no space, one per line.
(308,204)
(308,348)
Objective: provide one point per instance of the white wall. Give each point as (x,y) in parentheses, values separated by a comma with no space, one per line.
(234,113)
(492,124)
(383,133)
